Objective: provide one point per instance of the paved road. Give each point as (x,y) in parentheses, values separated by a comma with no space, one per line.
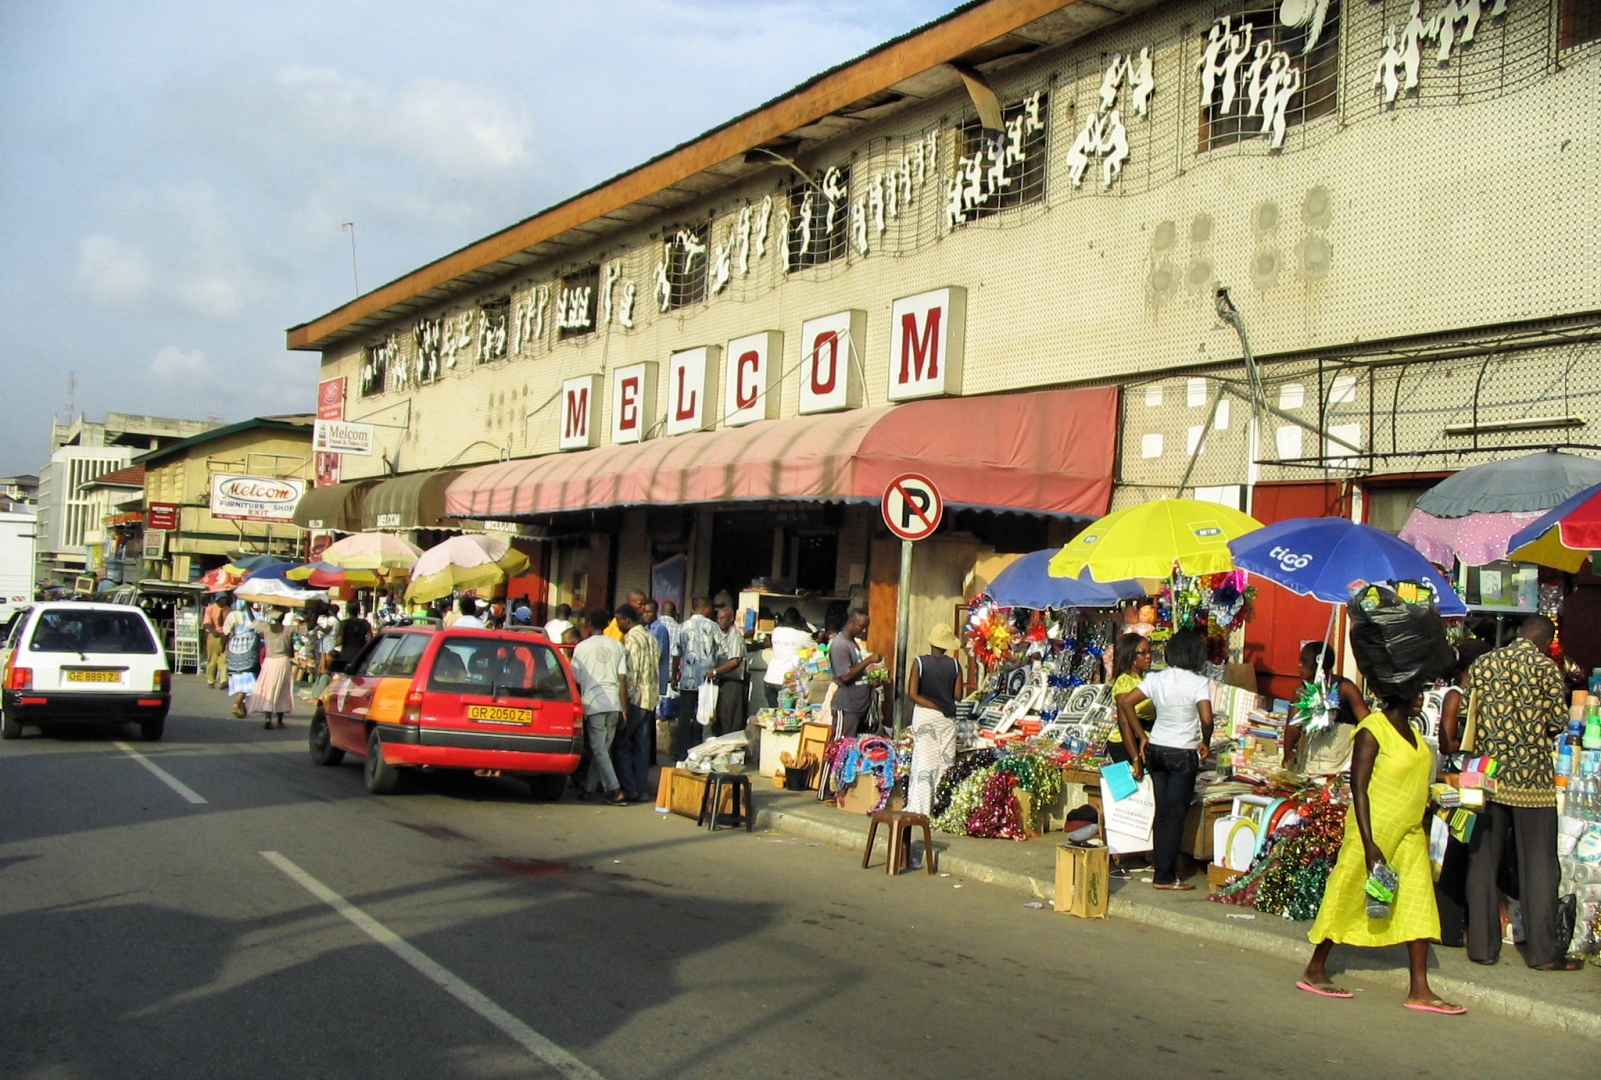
(461,930)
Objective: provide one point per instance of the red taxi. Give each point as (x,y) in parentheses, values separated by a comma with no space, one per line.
(490,701)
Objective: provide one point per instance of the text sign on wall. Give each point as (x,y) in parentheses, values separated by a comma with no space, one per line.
(330,406)
(925,344)
(750,381)
(161,516)
(633,402)
(692,390)
(830,348)
(580,400)
(254,498)
(342,437)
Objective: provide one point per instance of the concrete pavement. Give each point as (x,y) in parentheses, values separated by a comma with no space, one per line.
(143,935)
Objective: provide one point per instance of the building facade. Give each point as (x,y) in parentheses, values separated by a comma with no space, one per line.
(1025,198)
(226,492)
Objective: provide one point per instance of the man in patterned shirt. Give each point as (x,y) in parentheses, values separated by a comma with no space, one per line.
(694,654)
(632,747)
(1520,711)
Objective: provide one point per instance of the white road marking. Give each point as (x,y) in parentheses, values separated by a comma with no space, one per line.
(162,774)
(519,1032)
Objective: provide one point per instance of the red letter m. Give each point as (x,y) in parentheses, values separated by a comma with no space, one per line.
(917,349)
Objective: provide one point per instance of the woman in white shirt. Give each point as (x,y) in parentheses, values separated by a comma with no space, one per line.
(789,637)
(1177,744)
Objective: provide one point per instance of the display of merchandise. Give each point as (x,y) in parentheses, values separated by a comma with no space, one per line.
(975,797)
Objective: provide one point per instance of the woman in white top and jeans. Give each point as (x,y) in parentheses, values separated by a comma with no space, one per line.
(1177,744)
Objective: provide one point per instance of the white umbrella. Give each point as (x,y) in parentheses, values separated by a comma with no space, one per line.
(277,591)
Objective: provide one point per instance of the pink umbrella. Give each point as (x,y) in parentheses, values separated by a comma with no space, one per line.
(371,551)
(1475,539)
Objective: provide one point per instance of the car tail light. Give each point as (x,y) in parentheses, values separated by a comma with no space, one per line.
(413,711)
(162,682)
(19,678)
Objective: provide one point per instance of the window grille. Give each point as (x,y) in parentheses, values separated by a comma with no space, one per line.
(493,320)
(575,303)
(1251,60)
(1581,22)
(819,224)
(374,364)
(1008,172)
(681,270)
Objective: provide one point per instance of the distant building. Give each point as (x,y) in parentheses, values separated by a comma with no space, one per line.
(80,451)
(114,523)
(22,488)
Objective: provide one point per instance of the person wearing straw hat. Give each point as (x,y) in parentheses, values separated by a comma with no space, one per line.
(934,683)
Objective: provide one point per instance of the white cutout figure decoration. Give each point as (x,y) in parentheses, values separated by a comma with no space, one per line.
(491,335)
(1103,135)
(859,224)
(457,340)
(572,309)
(834,191)
(803,225)
(875,203)
(1308,13)
(1255,75)
(954,214)
(1141,82)
(1239,48)
(722,264)
(429,336)
(1405,53)
(1111,81)
(625,309)
(1282,82)
(1268,82)
(1211,70)
(1388,78)
(608,279)
(1031,114)
(691,246)
(664,284)
(742,240)
(764,220)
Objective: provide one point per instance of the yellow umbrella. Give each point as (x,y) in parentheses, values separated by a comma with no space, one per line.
(1145,541)
(470,561)
(371,551)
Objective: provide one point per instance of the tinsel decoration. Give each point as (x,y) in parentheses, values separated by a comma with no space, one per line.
(951,779)
(964,799)
(1317,705)
(990,634)
(1289,877)
(996,813)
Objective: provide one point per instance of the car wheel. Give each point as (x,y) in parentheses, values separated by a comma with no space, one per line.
(547,787)
(10,726)
(151,730)
(323,750)
(381,777)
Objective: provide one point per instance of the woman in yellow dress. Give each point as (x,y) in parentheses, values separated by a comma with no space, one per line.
(1391,768)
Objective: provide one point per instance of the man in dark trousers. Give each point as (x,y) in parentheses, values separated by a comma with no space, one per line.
(1520,711)
(853,695)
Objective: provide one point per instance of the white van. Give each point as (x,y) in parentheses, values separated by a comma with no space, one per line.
(77,662)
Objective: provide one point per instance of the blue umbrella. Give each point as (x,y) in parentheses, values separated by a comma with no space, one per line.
(1327,557)
(1026,584)
(277,571)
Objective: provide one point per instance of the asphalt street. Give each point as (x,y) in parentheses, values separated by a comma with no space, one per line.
(225,908)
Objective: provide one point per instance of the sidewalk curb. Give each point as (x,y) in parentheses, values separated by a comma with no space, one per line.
(1543,1014)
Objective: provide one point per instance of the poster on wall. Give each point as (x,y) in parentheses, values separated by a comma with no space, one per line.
(254,498)
(330,406)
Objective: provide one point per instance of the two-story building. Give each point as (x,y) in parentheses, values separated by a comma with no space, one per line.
(1299,257)
(223,493)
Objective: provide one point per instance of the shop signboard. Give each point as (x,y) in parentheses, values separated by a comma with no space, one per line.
(912,506)
(925,344)
(342,437)
(580,398)
(186,625)
(830,370)
(161,516)
(330,406)
(750,387)
(236,497)
(691,390)
(155,545)
(633,402)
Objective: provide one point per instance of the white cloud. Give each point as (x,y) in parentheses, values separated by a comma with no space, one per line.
(172,363)
(112,273)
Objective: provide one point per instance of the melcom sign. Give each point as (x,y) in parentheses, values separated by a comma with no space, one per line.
(925,344)
(580,400)
(691,390)
(750,381)
(633,402)
(829,378)
(254,498)
(342,437)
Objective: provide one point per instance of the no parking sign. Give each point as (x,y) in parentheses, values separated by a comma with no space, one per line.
(912,506)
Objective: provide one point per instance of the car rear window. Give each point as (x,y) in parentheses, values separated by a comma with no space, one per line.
(397,661)
(91,631)
(498,668)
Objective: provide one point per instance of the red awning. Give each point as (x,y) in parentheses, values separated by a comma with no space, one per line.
(1047,452)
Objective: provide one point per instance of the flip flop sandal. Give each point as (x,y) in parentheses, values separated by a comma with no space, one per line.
(1177,886)
(1567,963)
(1329,991)
(1436,1007)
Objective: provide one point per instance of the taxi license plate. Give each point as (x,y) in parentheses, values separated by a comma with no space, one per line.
(500,714)
(94,676)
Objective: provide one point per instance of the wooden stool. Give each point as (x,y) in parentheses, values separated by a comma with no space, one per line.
(712,798)
(899,822)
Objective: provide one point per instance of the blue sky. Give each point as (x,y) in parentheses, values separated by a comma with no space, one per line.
(174,175)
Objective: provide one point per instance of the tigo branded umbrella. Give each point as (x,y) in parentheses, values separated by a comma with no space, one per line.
(1148,539)
(1331,557)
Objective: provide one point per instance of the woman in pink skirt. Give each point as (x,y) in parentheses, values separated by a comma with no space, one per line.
(274,693)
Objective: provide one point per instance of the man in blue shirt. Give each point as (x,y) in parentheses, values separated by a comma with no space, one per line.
(650,615)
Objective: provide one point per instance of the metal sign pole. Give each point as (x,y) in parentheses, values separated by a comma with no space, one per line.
(903,626)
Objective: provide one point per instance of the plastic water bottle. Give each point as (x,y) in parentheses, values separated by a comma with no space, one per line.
(1592,726)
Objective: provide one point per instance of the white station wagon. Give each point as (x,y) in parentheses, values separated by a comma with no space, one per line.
(83,663)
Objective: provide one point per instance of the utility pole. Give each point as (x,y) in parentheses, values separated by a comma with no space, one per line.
(356,278)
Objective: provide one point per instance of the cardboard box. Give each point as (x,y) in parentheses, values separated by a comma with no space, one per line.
(1036,820)
(861,797)
(1241,675)
(1197,838)
(1219,876)
(1083,881)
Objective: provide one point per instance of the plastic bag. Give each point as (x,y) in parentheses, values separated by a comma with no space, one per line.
(1400,647)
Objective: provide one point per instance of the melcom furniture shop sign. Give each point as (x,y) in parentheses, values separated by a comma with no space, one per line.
(254,498)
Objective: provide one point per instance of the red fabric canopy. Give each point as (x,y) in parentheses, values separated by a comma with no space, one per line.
(1050,451)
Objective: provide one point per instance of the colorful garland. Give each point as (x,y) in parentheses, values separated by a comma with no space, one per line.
(1289,876)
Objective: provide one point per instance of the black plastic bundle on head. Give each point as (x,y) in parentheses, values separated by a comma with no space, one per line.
(1400,647)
